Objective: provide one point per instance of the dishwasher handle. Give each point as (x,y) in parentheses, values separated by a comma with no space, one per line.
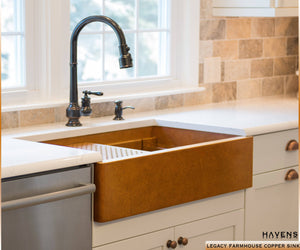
(48,197)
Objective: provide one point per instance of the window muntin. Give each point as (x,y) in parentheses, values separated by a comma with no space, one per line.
(12,45)
(147,30)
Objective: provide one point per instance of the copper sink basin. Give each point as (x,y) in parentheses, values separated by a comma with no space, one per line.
(175,166)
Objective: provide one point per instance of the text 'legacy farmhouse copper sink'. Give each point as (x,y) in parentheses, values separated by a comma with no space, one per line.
(154,167)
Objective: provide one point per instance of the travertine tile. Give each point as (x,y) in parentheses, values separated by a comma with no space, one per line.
(238,28)
(251,48)
(291,85)
(285,65)
(201,73)
(9,119)
(60,114)
(170,101)
(175,101)
(161,102)
(102,109)
(206,50)
(261,68)
(236,70)
(225,91)
(292,46)
(140,104)
(227,49)
(36,116)
(206,9)
(272,86)
(262,27)
(286,26)
(248,88)
(274,47)
(212,29)
(198,98)
(212,69)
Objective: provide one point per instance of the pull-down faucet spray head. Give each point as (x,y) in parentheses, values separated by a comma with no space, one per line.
(73,110)
(125,58)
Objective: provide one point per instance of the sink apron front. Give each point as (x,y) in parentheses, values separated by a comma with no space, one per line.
(166,178)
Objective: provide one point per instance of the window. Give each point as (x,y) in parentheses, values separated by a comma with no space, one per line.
(13,40)
(163,36)
(146,27)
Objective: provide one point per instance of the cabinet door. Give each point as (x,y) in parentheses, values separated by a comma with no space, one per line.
(229,226)
(151,241)
(257,8)
(271,205)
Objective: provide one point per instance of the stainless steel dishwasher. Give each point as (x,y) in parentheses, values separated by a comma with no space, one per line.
(48,211)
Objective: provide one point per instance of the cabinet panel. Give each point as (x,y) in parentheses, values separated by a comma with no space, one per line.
(271,205)
(255,4)
(104,233)
(151,241)
(229,226)
(255,8)
(198,243)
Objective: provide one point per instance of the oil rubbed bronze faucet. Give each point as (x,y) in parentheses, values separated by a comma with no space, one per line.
(74,111)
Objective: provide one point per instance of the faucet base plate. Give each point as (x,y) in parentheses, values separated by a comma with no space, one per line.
(73,122)
(118,118)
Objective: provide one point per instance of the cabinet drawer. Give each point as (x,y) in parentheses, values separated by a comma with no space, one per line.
(272,178)
(269,151)
(271,205)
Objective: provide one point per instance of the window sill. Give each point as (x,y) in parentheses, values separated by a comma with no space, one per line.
(105,98)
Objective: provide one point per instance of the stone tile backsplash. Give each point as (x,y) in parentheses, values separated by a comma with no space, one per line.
(238,28)
(239,58)
(286,26)
(272,86)
(36,116)
(263,27)
(258,55)
(262,68)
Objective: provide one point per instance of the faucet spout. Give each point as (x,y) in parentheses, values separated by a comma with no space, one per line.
(73,110)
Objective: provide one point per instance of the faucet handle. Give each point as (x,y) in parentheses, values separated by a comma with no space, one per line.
(87,92)
(86,109)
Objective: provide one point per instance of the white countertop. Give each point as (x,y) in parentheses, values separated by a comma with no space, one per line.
(247,118)
(21,155)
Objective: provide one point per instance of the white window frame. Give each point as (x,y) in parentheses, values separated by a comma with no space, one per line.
(18,33)
(47,54)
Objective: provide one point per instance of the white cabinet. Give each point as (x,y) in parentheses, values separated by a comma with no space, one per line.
(220,218)
(227,226)
(271,205)
(222,227)
(255,8)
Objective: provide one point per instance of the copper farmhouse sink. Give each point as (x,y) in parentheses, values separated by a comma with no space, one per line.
(150,168)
